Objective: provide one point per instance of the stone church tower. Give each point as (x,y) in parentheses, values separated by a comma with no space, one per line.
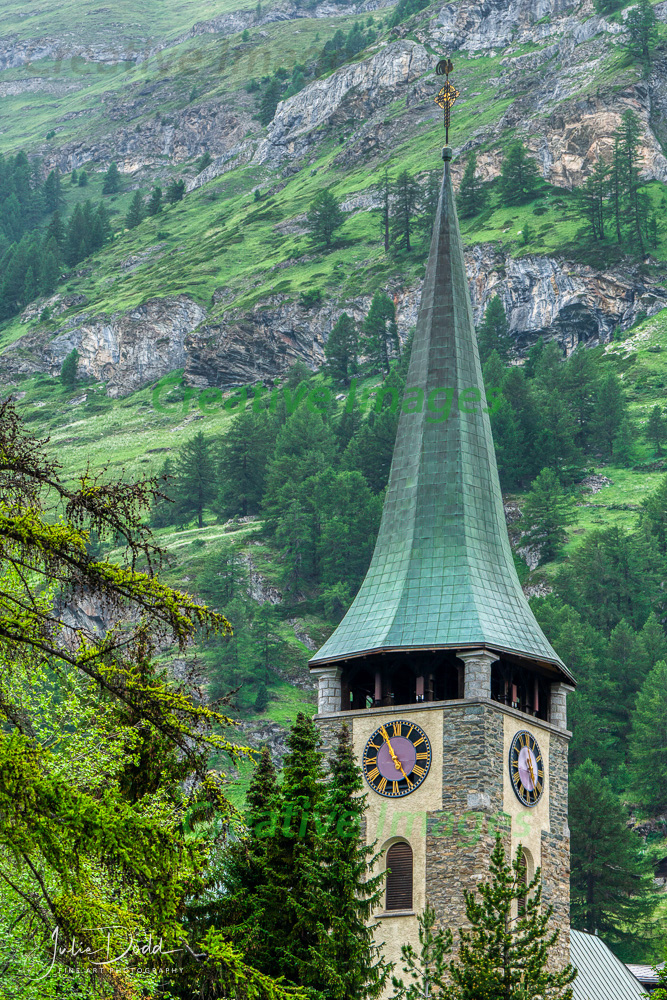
(454,697)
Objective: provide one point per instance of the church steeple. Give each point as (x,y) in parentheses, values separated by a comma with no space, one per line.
(442,575)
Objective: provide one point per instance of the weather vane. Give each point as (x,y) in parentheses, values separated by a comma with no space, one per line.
(447,94)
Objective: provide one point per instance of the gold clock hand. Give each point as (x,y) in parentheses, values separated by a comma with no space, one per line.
(397,763)
(532,773)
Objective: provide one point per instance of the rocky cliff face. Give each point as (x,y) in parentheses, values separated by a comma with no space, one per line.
(542,297)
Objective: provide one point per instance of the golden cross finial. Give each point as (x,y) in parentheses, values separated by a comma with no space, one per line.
(447,94)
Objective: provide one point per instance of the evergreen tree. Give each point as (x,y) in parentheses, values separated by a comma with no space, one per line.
(324,218)
(262,699)
(68,369)
(203,162)
(56,230)
(348,888)
(136,211)
(53,197)
(380,334)
(29,286)
(547,512)
(245,451)
(385,211)
(428,968)
(50,271)
(341,350)
(155,201)
(223,577)
(642,28)
(629,135)
(648,741)
(112,180)
(406,196)
(502,955)
(609,413)
(269,100)
(471,193)
(429,205)
(519,177)
(624,444)
(83,179)
(611,880)
(73,178)
(656,429)
(175,191)
(493,332)
(195,477)
(653,516)
(592,198)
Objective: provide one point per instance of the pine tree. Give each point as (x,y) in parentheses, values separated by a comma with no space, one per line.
(29,286)
(642,27)
(56,230)
(262,699)
(155,201)
(547,512)
(502,955)
(50,271)
(429,205)
(624,444)
(83,179)
(53,197)
(73,178)
(648,741)
(68,369)
(592,198)
(493,332)
(653,516)
(112,180)
(428,968)
(611,880)
(656,429)
(245,452)
(609,413)
(380,334)
(519,177)
(349,891)
(175,191)
(471,193)
(324,218)
(341,350)
(136,211)
(406,196)
(195,477)
(385,211)
(629,134)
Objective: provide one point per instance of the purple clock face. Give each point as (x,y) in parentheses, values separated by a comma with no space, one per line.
(527,764)
(406,753)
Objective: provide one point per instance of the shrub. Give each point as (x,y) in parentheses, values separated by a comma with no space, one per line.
(310,298)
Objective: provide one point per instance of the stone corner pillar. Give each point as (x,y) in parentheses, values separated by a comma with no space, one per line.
(477,681)
(558,703)
(328,689)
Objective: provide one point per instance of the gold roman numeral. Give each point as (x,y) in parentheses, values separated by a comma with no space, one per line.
(407,735)
(397,728)
(372,775)
(422,756)
(419,771)
(382,784)
(394,787)
(370,760)
(417,742)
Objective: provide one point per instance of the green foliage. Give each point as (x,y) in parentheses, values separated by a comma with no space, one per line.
(405,9)
(611,880)
(648,741)
(656,429)
(380,341)
(518,177)
(341,351)
(175,191)
(136,212)
(195,479)
(501,954)
(112,180)
(428,968)
(406,195)
(311,297)
(547,512)
(154,206)
(642,27)
(83,179)
(493,332)
(324,218)
(204,160)
(472,195)
(68,369)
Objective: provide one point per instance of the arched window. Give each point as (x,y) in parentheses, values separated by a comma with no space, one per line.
(399,877)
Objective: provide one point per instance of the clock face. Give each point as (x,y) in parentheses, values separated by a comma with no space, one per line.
(526,768)
(397,759)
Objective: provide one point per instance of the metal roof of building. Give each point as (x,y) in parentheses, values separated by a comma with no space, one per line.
(442,574)
(601,976)
(646,974)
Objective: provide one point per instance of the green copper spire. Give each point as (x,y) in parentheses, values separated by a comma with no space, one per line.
(442,574)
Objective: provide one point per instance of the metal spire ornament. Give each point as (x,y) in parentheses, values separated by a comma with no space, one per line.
(447,94)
